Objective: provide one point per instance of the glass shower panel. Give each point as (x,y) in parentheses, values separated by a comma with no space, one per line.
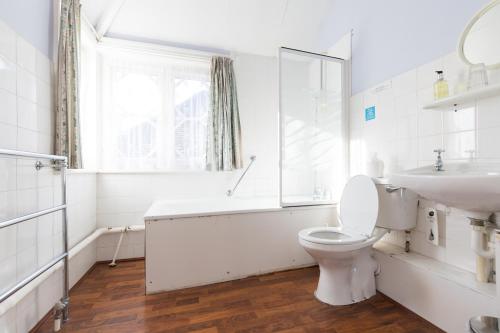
(312,128)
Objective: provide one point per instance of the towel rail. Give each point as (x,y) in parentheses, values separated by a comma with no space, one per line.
(31,216)
(31,277)
(60,164)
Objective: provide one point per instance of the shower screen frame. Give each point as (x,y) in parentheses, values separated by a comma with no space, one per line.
(344,128)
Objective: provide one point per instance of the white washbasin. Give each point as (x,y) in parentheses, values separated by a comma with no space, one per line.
(469,186)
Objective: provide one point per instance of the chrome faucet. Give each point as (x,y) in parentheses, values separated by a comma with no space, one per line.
(438,166)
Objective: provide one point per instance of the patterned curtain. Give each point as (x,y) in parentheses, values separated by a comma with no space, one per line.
(224,130)
(67,128)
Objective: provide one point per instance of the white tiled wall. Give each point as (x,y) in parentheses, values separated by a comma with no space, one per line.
(404,136)
(26,123)
(132,246)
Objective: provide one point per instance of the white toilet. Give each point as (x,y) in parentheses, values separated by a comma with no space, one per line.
(368,209)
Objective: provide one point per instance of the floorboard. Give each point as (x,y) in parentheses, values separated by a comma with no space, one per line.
(113,300)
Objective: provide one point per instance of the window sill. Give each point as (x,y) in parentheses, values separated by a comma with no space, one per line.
(81,171)
(146,172)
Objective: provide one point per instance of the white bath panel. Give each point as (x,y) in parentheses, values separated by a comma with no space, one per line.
(187,252)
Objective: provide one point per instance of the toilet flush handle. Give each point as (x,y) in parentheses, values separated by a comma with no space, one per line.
(390,188)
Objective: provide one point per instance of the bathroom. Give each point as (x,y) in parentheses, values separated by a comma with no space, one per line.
(350,181)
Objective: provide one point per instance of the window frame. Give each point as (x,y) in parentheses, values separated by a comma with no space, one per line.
(140,49)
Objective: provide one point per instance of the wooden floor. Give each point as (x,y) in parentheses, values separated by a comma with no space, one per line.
(113,300)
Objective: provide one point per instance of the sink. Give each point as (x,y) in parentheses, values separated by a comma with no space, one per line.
(472,186)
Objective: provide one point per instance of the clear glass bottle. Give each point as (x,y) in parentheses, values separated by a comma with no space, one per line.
(440,87)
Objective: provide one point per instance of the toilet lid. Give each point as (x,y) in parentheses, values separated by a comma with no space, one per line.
(359,205)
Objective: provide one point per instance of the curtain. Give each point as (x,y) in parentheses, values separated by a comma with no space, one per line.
(224,130)
(67,127)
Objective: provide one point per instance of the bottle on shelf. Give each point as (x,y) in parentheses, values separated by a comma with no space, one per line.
(440,87)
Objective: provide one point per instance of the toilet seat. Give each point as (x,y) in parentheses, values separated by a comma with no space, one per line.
(358,215)
(331,236)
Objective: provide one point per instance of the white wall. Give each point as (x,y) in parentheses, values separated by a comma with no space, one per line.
(404,136)
(26,123)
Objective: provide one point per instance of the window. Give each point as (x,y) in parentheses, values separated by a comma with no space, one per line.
(154,112)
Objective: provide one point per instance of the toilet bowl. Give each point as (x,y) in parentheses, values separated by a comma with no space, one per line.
(367,210)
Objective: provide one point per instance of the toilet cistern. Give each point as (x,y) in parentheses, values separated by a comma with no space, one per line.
(438,166)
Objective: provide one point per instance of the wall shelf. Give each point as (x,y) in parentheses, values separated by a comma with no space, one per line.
(453,103)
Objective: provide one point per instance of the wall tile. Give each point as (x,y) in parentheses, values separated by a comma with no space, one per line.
(8,169)
(462,120)
(43,94)
(8,204)
(8,136)
(26,55)
(8,76)
(7,274)
(488,112)
(8,111)
(488,143)
(406,104)
(27,261)
(459,145)
(26,85)
(27,140)
(8,242)
(407,127)
(27,114)
(405,83)
(430,122)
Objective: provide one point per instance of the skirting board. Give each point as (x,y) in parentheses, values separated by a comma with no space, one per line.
(441,301)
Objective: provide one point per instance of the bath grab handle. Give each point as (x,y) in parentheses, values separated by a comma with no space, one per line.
(231,192)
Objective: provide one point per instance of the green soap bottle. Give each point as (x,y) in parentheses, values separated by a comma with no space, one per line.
(440,87)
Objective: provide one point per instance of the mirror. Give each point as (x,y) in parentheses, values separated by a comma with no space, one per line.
(479,43)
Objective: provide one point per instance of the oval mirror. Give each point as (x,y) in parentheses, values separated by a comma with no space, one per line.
(480,42)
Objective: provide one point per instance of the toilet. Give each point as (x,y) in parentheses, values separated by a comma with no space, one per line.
(368,209)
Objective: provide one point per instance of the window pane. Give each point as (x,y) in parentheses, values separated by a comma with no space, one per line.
(154,113)
(191,109)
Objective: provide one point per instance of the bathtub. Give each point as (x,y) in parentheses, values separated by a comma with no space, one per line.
(202,241)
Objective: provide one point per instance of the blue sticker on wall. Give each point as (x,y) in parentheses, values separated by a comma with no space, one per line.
(370,113)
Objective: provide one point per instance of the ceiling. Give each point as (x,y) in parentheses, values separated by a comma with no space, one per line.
(250,26)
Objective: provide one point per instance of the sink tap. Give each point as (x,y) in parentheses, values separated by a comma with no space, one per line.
(438,166)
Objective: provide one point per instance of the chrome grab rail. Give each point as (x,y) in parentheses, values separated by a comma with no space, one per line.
(231,192)
(60,164)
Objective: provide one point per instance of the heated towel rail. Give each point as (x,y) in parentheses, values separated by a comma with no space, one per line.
(59,163)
